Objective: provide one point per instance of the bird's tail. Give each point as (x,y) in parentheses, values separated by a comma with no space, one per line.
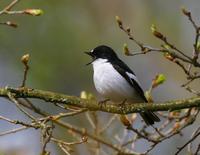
(149,117)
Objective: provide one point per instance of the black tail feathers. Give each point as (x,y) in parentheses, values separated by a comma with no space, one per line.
(149,117)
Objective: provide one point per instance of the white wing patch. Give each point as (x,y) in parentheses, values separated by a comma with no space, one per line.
(132,76)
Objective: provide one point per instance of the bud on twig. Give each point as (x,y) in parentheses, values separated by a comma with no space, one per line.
(185,12)
(124,120)
(176,126)
(83,95)
(84,139)
(133,118)
(174,114)
(159,79)
(168,56)
(198,47)
(128,29)
(33,12)
(25,59)
(126,50)
(86,95)
(165,46)
(119,22)
(12,24)
(156,33)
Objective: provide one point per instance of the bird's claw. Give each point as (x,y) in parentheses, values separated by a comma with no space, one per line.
(103,102)
(123,103)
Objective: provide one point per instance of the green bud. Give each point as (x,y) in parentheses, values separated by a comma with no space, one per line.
(185,12)
(153,28)
(34,12)
(198,46)
(126,50)
(156,33)
(165,46)
(118,20)
(159,79)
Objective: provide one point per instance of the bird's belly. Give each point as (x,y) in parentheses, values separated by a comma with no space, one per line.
(110,84)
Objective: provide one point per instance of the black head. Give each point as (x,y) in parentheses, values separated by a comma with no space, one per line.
(103,52)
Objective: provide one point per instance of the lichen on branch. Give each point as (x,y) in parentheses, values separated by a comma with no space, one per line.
(93,105)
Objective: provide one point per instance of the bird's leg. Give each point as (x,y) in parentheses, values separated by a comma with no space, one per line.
(123,103)
(103,102)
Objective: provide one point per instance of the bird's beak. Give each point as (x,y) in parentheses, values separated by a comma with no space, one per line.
(90,54)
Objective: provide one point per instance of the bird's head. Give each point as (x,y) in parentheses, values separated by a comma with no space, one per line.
(102,52)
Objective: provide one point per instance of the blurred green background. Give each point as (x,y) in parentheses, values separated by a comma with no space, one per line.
(56,42)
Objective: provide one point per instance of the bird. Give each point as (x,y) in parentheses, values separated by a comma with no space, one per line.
(115,81)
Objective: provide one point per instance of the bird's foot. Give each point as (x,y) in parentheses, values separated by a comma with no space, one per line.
(103,102)
(123,103)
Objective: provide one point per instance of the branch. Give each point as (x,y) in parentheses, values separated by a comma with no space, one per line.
(93,105)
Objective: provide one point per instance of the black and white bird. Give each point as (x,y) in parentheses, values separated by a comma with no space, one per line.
(114,80)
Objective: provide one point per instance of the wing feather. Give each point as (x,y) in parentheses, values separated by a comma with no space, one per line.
(129,75)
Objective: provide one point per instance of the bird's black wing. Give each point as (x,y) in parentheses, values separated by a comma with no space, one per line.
(123,69)
(148,116)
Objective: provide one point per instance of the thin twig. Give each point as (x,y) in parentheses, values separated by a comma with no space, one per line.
(141,135)
(25,59)
(47,132)
(182,147)
(14,130)
(110,121)
(11,97)
(83,140)
(197,150)
(64,149)
(83,133)
(9,6)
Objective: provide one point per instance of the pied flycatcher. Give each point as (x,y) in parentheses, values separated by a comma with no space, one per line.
(114,80)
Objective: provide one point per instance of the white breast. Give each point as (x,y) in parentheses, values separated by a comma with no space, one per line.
(110,84)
